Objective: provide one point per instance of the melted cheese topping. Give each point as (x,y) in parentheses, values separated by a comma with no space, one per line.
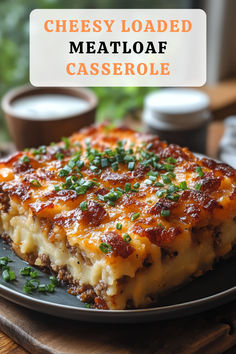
(44,216)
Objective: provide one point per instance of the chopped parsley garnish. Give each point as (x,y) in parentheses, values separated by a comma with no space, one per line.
(105,247)
(127,238)
(135,216)
(199,171)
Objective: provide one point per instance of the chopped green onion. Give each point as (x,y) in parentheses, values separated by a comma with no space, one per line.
(131,165)
(148,182)
(114,166)
(59,156)
(149,146)
(6,275)
(26,271)
(104,162)
(198,169)
(33,274)
(171,160)
(158,184)
(42,288)
(198,186)
(171,174)
(127,187)
(135,216)
(174,197)
(166,179)
(183,185)
(152,173)
(105,247)
(80,164)
(54,280)
(165,212)
(127,238)
(4,261)
(87,306)
(168,167)
(160,193)
(50,288)
(25,159)
(64,171)
(35,183)
(12,275)
(66,141)
(119,226)
(84,206)
(136,185)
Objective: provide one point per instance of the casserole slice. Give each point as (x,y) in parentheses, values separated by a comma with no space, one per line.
(120,216)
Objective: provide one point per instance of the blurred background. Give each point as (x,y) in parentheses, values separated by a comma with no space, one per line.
(117,103)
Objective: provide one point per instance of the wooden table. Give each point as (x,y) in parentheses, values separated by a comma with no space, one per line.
(210,332)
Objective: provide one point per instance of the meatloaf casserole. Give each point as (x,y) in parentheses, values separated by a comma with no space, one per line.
(121,216)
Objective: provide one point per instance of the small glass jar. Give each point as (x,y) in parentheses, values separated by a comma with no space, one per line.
(179,116)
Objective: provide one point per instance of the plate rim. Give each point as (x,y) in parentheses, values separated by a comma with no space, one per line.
(97,315)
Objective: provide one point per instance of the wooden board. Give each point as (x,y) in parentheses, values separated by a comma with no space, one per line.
(211,332)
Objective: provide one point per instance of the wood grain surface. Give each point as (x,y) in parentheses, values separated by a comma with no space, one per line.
(210,332)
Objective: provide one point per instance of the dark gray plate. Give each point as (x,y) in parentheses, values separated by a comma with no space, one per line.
(213,289)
